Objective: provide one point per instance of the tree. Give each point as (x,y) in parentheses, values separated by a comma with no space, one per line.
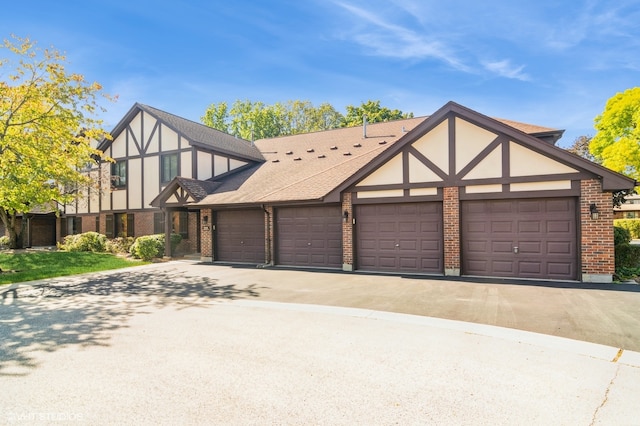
(374,112)
(257,120)
(581,147)
(46,127)
(617,141)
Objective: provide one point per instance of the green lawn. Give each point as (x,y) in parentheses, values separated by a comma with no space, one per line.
(39,265)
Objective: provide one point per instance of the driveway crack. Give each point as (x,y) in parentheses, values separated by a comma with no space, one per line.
(606,396)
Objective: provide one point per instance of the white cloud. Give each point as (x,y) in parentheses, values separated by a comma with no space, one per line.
(388,39)
(504,68)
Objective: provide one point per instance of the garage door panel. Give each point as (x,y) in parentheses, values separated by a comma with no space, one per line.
(316,236)
(240,236)
(405,236)
(544,230)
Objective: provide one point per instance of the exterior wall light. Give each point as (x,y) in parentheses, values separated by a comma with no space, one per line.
(345,216)
(593,209)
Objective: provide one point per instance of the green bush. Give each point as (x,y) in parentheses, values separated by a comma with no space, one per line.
(88,241)
(631,225)
(148,246)
(120,244)
(4,242)
(175,240)
(627,256)
(621,235)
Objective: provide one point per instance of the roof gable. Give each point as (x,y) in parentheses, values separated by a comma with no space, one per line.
(197,134)
(458,146)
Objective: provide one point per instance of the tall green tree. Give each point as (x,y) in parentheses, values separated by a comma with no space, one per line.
(617,141)
(256,120)
(47,123)
(374,112)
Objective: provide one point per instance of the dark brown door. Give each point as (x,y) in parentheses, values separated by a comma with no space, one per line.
(240,236)
(309,236)
(42,231)
(400,237)
(534,238)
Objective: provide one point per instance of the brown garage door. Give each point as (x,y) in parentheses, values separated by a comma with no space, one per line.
(400,237)
(42,231)
(240,236)
(309,236)
(534,238)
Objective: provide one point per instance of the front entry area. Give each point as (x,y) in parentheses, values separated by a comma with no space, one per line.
(526,238)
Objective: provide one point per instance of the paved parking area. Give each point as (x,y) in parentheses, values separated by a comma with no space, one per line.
(200,344)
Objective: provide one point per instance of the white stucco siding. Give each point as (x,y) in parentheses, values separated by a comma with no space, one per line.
(419,172)
(186,165)
(525,162)
(169,139)
(381,194)
(234,164)
(489,167)
(435,146)
(204,165)
(387,174)
(134,186)
(106,193)
(151,180)
(541,186)
(119,146)
(119,199)
(220,165)
(470,141)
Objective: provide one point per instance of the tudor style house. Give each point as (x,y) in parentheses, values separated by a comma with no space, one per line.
(455,193)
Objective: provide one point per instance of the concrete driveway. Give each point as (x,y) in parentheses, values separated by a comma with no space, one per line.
(183,343)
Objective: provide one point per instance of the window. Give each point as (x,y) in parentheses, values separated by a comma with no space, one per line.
(119,225)
(97,223)
(74,225)
(119,174)
(179,223)
(169,167)
(158,223)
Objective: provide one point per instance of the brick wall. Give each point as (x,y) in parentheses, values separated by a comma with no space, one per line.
(89,223)
(596,235)
(347,233)
(451,219)
(143,223)
(206,236)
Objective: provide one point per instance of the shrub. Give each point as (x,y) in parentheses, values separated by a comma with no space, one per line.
(148,246)
(631,225)
(4,242)
(621,235)
(120,244)
(88,241)
(175,240)
(627,256)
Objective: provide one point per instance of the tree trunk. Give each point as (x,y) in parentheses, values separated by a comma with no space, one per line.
(15,236)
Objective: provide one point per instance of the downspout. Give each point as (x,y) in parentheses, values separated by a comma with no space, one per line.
(268,235)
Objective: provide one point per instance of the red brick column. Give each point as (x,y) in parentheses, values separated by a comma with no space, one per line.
(206,235)
(597,249)
(451,219)
(347,233)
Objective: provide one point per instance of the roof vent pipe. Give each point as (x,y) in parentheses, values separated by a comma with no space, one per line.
(364,126)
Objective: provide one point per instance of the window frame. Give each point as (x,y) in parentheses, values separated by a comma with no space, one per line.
(172,161)
(119,174)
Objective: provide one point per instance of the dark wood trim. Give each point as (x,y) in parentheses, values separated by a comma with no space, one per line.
(133,136)
(194,163)
(437,184)
(524,194)
(452,145)
(518,179)
(424,160)
(391,200)
(481,156)
(405,167)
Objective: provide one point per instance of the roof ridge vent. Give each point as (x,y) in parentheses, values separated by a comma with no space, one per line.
(311,150)
(333,148)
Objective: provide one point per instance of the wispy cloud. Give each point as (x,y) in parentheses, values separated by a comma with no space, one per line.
(388,39)
(504,68)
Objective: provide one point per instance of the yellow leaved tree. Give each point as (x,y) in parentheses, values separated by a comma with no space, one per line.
(48,120)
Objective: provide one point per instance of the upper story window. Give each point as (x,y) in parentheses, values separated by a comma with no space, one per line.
(169,167)
(119,174)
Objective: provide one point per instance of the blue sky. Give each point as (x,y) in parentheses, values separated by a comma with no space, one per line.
(552,63)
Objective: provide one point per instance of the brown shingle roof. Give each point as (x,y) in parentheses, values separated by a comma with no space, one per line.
(309,166)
